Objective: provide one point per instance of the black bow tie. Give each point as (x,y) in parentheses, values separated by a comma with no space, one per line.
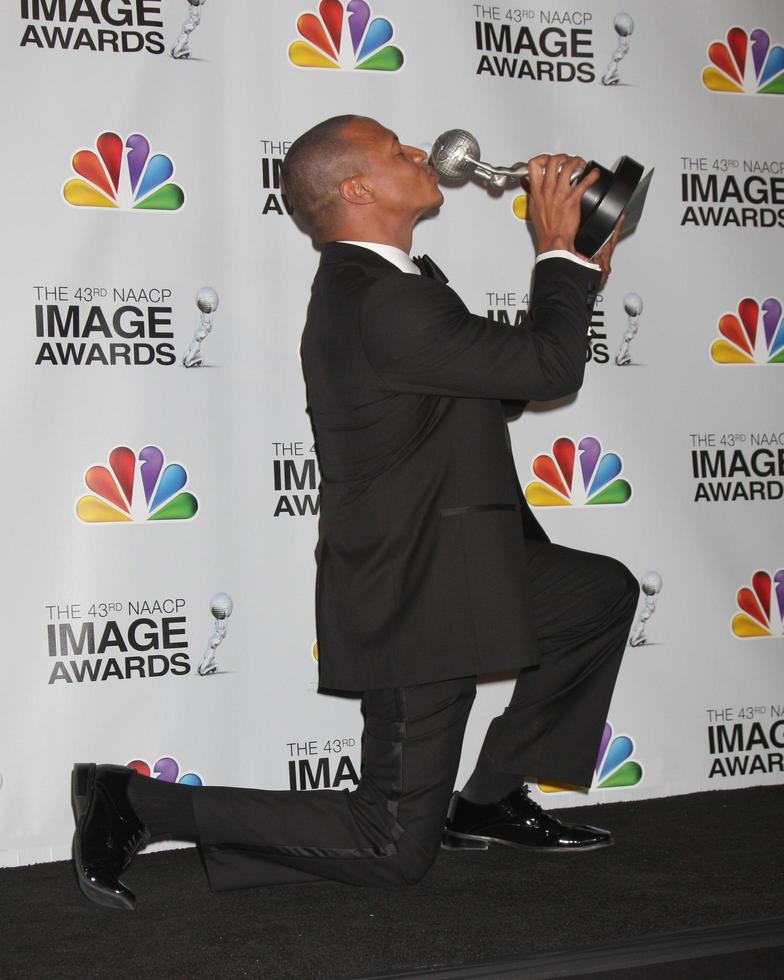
(428,267)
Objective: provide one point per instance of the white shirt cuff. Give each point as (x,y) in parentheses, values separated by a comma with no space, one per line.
(561,253)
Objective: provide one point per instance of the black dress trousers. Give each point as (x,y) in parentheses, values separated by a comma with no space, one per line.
(387,831)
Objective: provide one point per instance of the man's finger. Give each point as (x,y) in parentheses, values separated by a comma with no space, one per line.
(588,181)
(553,165)
(536,166)
(539,161)
(605,253)
(570,168)
(609,246)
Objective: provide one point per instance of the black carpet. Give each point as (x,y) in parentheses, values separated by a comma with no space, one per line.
(681,865)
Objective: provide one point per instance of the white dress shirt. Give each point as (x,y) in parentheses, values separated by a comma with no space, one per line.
(403,261)
(391,253)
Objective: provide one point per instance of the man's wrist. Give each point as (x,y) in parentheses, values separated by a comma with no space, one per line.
(571,256)
(556,244)
(560,244)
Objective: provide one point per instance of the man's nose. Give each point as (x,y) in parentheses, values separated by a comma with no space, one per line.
(418,155)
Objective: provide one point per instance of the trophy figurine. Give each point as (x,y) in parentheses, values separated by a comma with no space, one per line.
(221,608)
(181,48)
(651,585)
(624,26)
(632,303)
(456,156)
(207,302)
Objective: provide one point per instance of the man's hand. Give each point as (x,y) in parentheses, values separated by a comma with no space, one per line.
(554,202)
(603,257)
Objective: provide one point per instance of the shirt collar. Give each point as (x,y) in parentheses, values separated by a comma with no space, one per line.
(391,253)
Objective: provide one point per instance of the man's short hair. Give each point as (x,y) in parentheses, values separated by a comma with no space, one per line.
(313,169)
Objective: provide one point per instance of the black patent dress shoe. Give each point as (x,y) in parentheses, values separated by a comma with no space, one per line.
(108,833)
(515,821)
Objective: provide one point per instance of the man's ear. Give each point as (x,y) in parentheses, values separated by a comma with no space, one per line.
(354,190)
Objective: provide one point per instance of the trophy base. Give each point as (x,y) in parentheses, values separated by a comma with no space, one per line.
(604,202)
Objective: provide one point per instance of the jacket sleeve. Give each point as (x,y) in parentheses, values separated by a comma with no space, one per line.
(419,337)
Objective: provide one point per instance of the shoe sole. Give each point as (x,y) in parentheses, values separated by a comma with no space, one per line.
(453,841)
(82,789)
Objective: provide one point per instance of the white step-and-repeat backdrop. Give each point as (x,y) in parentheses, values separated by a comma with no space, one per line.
(161,489)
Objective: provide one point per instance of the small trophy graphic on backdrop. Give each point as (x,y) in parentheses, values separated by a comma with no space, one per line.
(632,303)
(651,584)
(624,26)
(207,302)
(181,48)
(221,607)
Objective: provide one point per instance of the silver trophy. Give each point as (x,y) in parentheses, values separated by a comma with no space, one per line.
(221,608)
(624,26)
(632,303)
(456,156)
(651,584)
(207,302)
(181,48)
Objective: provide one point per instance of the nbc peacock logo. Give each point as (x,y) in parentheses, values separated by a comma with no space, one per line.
(755,335)
(345,36)
(568,481)
(166,770)
(136,487)
(520,207)
(124,176)
(762,606)
(615,768)
(745,68)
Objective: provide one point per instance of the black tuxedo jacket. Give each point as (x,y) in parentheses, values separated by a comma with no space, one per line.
(421,550)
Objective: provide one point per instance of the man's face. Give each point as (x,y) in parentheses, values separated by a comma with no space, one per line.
(403,183)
